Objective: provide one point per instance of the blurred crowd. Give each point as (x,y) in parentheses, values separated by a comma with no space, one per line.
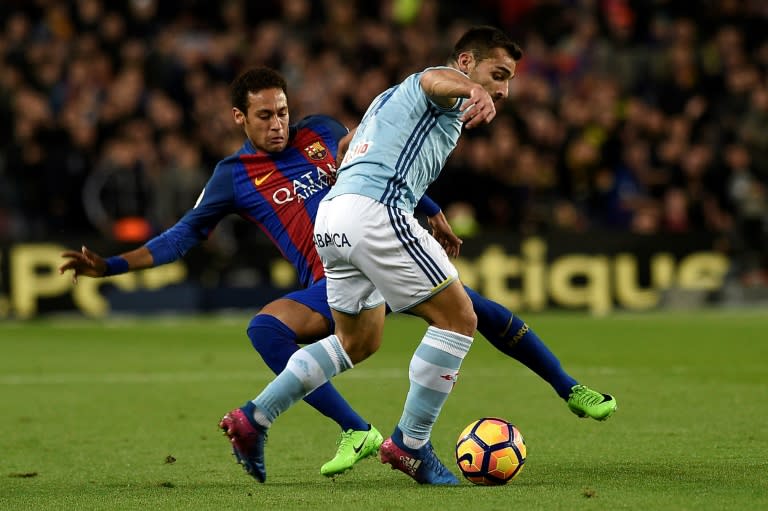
(648,116)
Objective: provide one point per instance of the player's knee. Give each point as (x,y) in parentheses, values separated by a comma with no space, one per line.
(264,331)
(462,321)
(359,347)
(255,328)
(466,321)
(254,332)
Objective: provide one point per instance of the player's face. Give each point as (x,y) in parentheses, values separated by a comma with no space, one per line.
(493,73)
(266,122)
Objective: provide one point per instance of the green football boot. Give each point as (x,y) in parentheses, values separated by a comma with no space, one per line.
(353,446)
(586,402)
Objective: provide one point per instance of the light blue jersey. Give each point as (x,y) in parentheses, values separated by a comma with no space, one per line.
(400,146)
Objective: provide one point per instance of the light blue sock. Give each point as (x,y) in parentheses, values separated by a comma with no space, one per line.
(306,370)
(433,372)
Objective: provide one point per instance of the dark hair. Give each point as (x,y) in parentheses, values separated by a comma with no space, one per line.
(481,40)
(254,80)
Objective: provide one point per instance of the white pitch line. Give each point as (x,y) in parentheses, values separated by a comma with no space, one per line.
(144,378)
(134,378)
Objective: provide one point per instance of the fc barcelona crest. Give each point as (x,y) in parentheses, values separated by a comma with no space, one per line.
(316,151)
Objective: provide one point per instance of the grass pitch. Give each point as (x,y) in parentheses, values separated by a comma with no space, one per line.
(123,414)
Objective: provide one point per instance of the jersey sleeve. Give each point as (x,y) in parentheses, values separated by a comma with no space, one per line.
(216,201)
(455,106)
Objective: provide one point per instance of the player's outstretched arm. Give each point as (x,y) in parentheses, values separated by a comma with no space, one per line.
(89,263)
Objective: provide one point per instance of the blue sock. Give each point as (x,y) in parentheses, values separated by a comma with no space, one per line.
(510,335)
(275,342)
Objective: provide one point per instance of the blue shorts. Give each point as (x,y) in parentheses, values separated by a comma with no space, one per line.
(316,298)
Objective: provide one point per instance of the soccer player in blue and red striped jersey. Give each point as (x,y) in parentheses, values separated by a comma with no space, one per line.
(276,181)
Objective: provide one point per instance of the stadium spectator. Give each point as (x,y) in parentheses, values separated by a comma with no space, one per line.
(665,78)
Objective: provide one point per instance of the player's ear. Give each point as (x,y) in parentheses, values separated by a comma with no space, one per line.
(466,62)
(238,115)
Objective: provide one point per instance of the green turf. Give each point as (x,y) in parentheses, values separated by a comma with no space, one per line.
(123,414)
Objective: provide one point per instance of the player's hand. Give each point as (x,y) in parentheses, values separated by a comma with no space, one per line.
(443,233)
(86,262)
(478,108)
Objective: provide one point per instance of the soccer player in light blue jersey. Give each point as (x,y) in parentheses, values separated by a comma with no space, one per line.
(374,251)
(398,150)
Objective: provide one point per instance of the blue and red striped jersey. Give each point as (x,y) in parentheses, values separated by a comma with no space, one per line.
(279,192)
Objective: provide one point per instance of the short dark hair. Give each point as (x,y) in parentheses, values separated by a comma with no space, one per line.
(254,80)
(482,39)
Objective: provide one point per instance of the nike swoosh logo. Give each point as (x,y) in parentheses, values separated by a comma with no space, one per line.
(259,180)
(357,448)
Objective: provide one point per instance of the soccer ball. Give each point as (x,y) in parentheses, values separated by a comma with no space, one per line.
(490,451)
